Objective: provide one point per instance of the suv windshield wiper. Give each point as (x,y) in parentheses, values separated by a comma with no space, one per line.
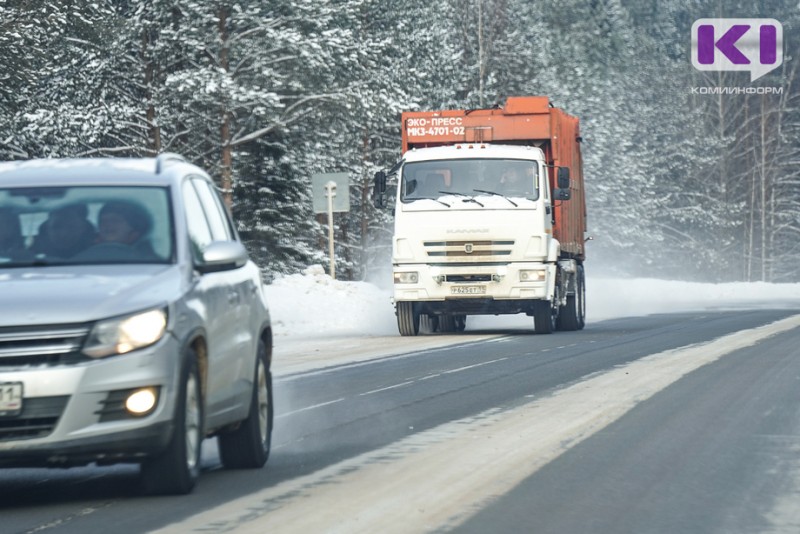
(427,198)
(467,198)
(496,195)
(32,261)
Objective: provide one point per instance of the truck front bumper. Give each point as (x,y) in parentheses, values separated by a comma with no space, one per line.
(475,289)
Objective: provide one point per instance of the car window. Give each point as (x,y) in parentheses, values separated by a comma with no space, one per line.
(215,211)
(86,225)
(199,231)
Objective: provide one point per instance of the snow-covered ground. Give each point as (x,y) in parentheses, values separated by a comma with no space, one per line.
(313,304)
(314,314)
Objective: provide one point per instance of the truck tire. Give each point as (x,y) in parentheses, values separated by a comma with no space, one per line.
(248,446)
(175,471)
(544,317)
(447,323)
(581,293)
(407,319)
(571,315)
(428,323)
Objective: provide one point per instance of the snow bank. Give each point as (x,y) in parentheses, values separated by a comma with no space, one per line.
(609,298)
(313,305)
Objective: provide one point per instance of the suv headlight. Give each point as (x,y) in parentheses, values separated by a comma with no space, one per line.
(124,334)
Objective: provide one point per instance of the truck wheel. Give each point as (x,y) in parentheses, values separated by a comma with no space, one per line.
(428,323)
(248,446)
(447,323)
(544,317)
(407,319)
(568,315)
(572,316)
(581,293)
(175,471)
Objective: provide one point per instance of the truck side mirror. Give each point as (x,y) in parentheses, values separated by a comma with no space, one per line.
(562,194)
(563,178)
(379,190)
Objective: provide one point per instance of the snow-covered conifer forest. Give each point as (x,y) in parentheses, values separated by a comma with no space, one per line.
(680,183)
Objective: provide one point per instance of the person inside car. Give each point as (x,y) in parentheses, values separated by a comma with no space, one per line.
(121,222)
(125,223)
(12,243)
(66,232)
(510,180)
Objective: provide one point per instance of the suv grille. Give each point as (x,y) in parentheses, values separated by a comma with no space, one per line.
(37,420)
(42,345)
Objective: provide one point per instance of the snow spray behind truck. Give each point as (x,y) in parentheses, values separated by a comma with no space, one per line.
(490,217)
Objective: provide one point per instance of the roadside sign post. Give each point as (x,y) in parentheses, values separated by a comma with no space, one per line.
(331,192)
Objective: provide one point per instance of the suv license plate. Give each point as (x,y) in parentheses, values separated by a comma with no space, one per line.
(10,399)
(468,290)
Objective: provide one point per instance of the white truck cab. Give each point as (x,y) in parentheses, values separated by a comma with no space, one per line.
(473,235)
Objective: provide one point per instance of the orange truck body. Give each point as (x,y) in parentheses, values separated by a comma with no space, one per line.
(526,120)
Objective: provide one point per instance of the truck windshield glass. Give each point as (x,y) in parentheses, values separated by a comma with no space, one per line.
(511,178)
(84,225)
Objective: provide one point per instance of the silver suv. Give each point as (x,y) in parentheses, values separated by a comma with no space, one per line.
(132,322)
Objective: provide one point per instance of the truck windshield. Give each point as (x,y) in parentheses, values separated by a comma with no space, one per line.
(511,178)
(41,226)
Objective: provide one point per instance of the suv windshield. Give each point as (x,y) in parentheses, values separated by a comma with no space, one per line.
(84,225)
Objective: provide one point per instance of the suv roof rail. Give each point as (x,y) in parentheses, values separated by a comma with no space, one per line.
(164,157)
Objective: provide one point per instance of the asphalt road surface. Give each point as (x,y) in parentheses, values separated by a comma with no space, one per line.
(667,423)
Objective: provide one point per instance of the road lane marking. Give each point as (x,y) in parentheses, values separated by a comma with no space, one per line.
(307,408)
(393,386)
(434,375)
(428,377)
(436,479)
(459,369)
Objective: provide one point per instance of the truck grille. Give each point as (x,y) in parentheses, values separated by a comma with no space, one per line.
(37,420)
(467,278)
(41,345)
(468,250)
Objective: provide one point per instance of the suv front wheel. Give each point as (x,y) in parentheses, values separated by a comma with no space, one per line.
(175,471)
(248,446)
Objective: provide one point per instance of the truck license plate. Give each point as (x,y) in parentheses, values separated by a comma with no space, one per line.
(10,399)
(468,290)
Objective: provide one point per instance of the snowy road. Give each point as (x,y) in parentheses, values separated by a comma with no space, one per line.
(686,422)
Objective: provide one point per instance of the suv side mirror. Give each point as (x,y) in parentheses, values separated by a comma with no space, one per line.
(222,256)
(379,189)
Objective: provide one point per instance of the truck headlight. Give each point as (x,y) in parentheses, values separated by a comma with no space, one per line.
(532,275)
(124,334)
(406,278)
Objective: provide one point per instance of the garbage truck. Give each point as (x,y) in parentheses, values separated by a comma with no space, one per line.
(489,217)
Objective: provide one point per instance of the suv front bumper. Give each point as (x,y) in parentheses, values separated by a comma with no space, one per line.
(71,414)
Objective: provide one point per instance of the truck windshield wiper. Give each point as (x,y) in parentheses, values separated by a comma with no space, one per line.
(496,195)
(427,198)
(467,198)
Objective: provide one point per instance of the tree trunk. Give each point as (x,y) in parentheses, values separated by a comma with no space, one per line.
(481,53)
(365,206)
(226,169)
(154,130)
